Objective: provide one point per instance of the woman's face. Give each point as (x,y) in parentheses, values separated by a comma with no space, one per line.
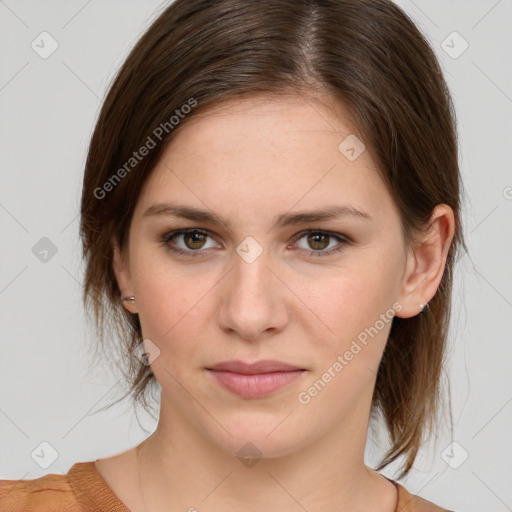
(266,284)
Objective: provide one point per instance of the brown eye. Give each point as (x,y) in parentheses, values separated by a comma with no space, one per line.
(191,242)
(194,240)
(318,241)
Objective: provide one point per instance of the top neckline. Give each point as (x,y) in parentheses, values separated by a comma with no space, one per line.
(88,481)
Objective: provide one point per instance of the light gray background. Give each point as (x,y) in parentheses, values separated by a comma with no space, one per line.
(48,109)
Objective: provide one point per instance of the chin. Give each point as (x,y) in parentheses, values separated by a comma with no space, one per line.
(252,443)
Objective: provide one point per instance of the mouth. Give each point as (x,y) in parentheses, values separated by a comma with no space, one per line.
(254,380)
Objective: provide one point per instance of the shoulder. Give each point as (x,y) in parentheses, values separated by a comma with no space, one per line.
(49,493)
(408,502)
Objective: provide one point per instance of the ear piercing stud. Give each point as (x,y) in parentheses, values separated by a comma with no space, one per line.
(423,306)
(131,297)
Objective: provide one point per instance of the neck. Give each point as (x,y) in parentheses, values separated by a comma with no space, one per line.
(180,466)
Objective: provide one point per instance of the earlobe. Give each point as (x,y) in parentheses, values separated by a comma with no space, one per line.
(123,278)
(426,263)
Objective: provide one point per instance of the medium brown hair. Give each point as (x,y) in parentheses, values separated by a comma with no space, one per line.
(368,56)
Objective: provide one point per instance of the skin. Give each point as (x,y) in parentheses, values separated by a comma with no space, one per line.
(248,161)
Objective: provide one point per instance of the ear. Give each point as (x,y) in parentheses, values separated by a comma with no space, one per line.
(122,272)
(426,262)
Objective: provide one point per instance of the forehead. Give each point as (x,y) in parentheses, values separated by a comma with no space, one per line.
(269,115)
(266,152)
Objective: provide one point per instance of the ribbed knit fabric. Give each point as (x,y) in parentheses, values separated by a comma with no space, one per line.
(83,489)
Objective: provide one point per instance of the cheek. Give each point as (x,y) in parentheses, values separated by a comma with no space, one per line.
(174,311)
(356,314)
(348,303)
(173,306)
(355,319)
(170,313)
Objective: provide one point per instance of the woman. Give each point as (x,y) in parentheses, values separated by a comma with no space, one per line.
(270,219)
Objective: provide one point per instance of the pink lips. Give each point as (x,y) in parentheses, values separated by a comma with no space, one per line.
(254,380)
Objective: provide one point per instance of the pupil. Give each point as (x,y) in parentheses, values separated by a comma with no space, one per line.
(315,242)
(196,238)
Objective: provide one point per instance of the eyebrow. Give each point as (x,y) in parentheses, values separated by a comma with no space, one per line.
(283,219)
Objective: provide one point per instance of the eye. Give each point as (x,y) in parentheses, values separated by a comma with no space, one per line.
(186,241)
(317,241)
(190,242)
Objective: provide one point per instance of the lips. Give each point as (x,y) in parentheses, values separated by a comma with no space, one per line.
(254,380)
(264,366)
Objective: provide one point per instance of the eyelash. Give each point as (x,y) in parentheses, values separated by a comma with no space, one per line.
(343,241)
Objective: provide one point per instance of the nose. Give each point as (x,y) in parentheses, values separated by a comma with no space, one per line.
(253,299)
